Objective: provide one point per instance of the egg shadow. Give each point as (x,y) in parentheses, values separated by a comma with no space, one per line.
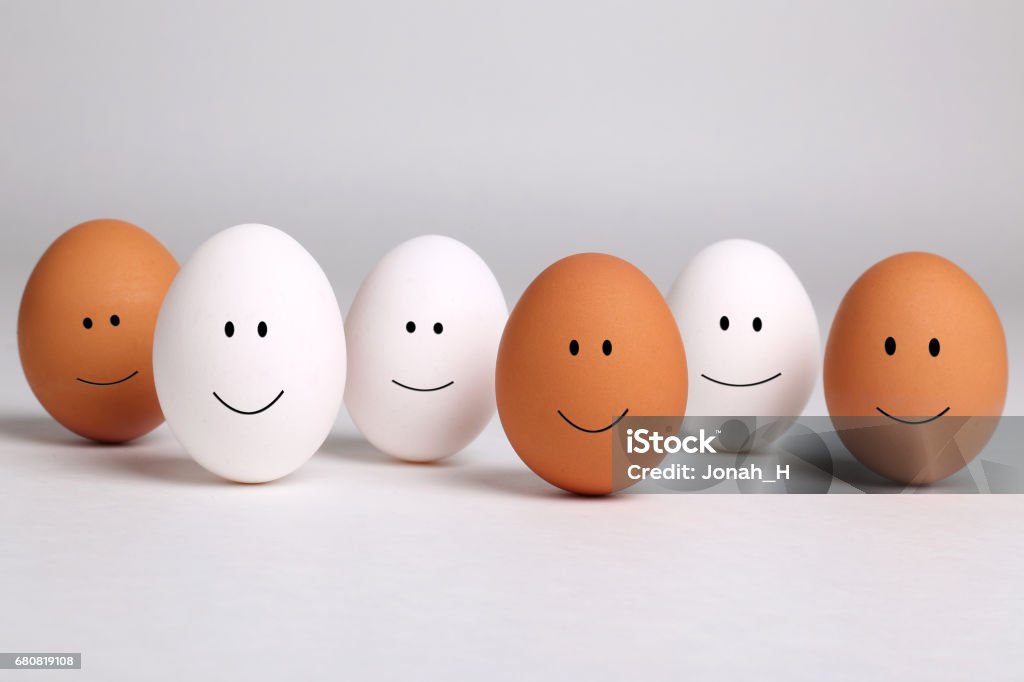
(513,481)
(461,469)
(44,430)
(162,467)
(138,458)
(850,471)
(354,448)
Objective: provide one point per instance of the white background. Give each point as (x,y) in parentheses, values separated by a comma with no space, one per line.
(837,133)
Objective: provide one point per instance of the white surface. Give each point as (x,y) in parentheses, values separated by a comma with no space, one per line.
(836,133)
(358,565)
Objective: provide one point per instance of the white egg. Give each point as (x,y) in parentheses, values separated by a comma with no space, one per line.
(249,355)
(423,335)
(752,342)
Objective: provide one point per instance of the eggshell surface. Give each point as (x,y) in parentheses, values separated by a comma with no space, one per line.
(752,341)
(423,336)
(249,355)
(915,368)
(590,341)
(85,329)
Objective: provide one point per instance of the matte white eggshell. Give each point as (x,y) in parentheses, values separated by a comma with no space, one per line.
(254,405)
(772,363)
(424,394)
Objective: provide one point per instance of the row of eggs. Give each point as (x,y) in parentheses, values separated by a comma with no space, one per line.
(245,353)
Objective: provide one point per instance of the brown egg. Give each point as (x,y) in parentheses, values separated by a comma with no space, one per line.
(590,341)
(85,329)
(915,368)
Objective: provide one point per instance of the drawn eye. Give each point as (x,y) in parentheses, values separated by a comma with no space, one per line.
(87,323)
(410,326)
(438,327)
(115,320)
(757,324)
(890,345)
(606,347)
(229,329)
(724,323)
(933,348)
(261,329)
(574,347)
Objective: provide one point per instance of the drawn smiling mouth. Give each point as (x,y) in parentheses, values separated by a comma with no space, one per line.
(107,383)
(262,409)
(580,428)
(422,390)
(756,383)
(911,421)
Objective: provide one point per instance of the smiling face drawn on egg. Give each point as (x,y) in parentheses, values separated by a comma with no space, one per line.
(915,368)
(589,343)
(757,325)
(85,329)
(606,349)
(410,327)
(261,331)
(115,321)
(752,342)
(423,334)
(249,355)
(934,348)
